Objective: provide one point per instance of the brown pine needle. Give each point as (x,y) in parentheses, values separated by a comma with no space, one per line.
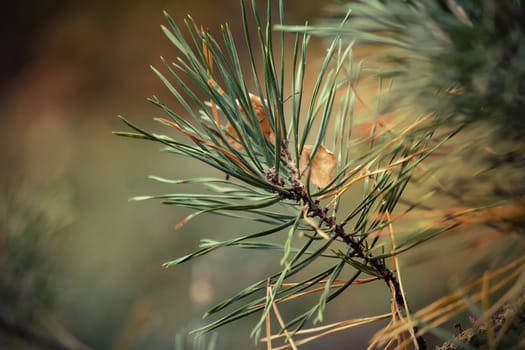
(268,318)
(330,329)
(280,319)
(209,58)
(485,304)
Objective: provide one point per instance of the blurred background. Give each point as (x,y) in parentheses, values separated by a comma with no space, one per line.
(80,266)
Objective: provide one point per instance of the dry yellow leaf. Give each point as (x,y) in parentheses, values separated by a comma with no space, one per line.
(320,167)
(266,128)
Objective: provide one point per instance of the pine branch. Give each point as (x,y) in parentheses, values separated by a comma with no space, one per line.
(281,172)
(315,210)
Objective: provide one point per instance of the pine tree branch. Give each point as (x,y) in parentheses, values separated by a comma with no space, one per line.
(358,249)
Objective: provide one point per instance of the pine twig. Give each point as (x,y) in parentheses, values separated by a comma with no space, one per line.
(315,209)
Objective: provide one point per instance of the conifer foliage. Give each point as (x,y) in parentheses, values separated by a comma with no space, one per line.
(349,176)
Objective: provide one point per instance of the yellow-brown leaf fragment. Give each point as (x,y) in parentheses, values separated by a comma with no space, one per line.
(232,137)
(266,128)
(320,167)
